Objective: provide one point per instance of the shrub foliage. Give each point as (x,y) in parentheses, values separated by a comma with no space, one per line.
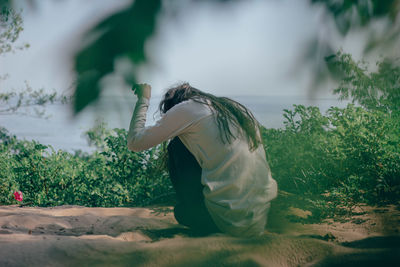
(346,157)
(112,177)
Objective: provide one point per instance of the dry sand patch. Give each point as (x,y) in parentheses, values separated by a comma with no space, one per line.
(71,235)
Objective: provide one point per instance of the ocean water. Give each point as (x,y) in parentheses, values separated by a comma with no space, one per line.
(64,131)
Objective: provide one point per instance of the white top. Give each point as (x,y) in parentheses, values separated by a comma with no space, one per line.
(238,182)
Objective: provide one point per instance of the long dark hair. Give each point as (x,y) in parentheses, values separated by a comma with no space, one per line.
(228,112)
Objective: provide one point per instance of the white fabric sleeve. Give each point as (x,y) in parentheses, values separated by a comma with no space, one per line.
(176,121)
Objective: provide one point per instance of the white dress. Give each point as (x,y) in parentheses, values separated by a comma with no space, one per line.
(238,185)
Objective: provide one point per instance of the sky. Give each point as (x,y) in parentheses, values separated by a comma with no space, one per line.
(247,48)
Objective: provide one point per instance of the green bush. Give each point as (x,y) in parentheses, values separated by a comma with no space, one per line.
(113,177)
(350,155)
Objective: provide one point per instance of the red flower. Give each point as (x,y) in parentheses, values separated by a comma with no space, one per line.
(18,195)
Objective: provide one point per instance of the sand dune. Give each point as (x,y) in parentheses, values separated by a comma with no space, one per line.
(80,236)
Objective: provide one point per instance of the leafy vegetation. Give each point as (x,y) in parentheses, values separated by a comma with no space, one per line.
(113,177)
(377,90)
(23,102)
(350,13)
(29,100)
(338,160)
(11,25)
(349,155)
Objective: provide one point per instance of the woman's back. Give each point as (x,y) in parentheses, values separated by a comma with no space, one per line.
(238,182)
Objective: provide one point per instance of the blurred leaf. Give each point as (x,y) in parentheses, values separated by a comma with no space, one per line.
(348,13)
(4,3)
(352,15)
(121,35)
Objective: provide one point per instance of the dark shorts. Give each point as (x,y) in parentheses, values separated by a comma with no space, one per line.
(185,174)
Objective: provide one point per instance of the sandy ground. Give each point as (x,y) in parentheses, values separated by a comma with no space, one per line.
(80,236)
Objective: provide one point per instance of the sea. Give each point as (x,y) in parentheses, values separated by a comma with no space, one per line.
(60,128)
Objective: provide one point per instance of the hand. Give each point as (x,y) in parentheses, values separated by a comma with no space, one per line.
(142,90)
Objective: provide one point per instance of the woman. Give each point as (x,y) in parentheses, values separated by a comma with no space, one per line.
(217,162)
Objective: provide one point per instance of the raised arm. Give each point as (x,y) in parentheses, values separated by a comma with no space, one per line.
(175,122)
